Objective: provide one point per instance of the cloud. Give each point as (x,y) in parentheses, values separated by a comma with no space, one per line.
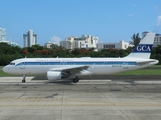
(157,28)
(155,6)
(56,40)
(159,21)
(158,9)
(130,15)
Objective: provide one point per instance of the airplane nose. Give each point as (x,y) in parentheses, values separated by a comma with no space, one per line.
(5,69)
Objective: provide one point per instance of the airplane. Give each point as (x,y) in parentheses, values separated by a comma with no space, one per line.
(71,68)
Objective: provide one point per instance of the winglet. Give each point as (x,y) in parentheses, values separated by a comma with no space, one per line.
(144,48)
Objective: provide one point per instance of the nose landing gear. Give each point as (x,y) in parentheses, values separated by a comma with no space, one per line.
(23,80)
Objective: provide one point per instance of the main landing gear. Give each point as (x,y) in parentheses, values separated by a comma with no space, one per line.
(23,80)
(76,79)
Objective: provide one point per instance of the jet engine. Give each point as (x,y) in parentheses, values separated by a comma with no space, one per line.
(54,75)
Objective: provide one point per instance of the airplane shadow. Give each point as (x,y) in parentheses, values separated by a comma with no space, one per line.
(99,77)
(96,77)
(62,82)
(44,78)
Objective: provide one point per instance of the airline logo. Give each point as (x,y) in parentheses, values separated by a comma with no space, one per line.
(143,48)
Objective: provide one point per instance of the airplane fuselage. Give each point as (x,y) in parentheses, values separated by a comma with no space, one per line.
(98,66)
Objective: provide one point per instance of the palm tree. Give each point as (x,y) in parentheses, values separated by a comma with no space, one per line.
(135,40)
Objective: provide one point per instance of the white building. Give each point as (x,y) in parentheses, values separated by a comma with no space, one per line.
(48,44)
(9,42)
(120,45)
(85,41)
(157,39)
(3,38)
(30,38)
(2,34)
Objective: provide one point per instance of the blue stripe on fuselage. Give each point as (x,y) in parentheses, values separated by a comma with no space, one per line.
(77,63)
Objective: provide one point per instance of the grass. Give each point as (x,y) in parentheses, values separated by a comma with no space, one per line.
(141,72)
(155,66)
(2,74)
(147,71)
(151,70)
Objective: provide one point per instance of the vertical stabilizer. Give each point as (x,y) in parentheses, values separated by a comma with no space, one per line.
(143,49)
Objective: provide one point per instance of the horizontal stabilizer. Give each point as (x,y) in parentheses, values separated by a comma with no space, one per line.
(147,62)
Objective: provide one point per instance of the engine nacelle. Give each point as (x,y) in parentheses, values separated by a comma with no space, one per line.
(54,75)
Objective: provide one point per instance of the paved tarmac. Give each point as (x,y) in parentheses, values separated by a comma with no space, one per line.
(87,100)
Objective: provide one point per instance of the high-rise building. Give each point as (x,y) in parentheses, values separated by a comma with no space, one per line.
(30,38)
(2,34)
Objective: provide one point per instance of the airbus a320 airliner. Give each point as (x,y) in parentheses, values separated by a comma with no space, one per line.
(59,68)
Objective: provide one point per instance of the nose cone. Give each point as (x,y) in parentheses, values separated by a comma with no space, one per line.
(4,69)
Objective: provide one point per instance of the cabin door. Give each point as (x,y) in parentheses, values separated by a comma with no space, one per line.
(125,65)
(22,66)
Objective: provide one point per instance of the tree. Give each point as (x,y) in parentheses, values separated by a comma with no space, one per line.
(135,40)
(25,51)
(54,46)
(34,48)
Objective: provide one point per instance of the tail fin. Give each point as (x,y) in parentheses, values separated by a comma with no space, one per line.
(143,49)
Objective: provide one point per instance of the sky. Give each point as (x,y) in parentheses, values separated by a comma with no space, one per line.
(54,20)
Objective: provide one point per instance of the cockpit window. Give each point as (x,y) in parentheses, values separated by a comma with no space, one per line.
(12,63)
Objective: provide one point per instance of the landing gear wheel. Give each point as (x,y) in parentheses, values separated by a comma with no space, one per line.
(75,80)
(23,81)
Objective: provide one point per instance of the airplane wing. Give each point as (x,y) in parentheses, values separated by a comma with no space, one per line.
(66,72)
(72,70)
